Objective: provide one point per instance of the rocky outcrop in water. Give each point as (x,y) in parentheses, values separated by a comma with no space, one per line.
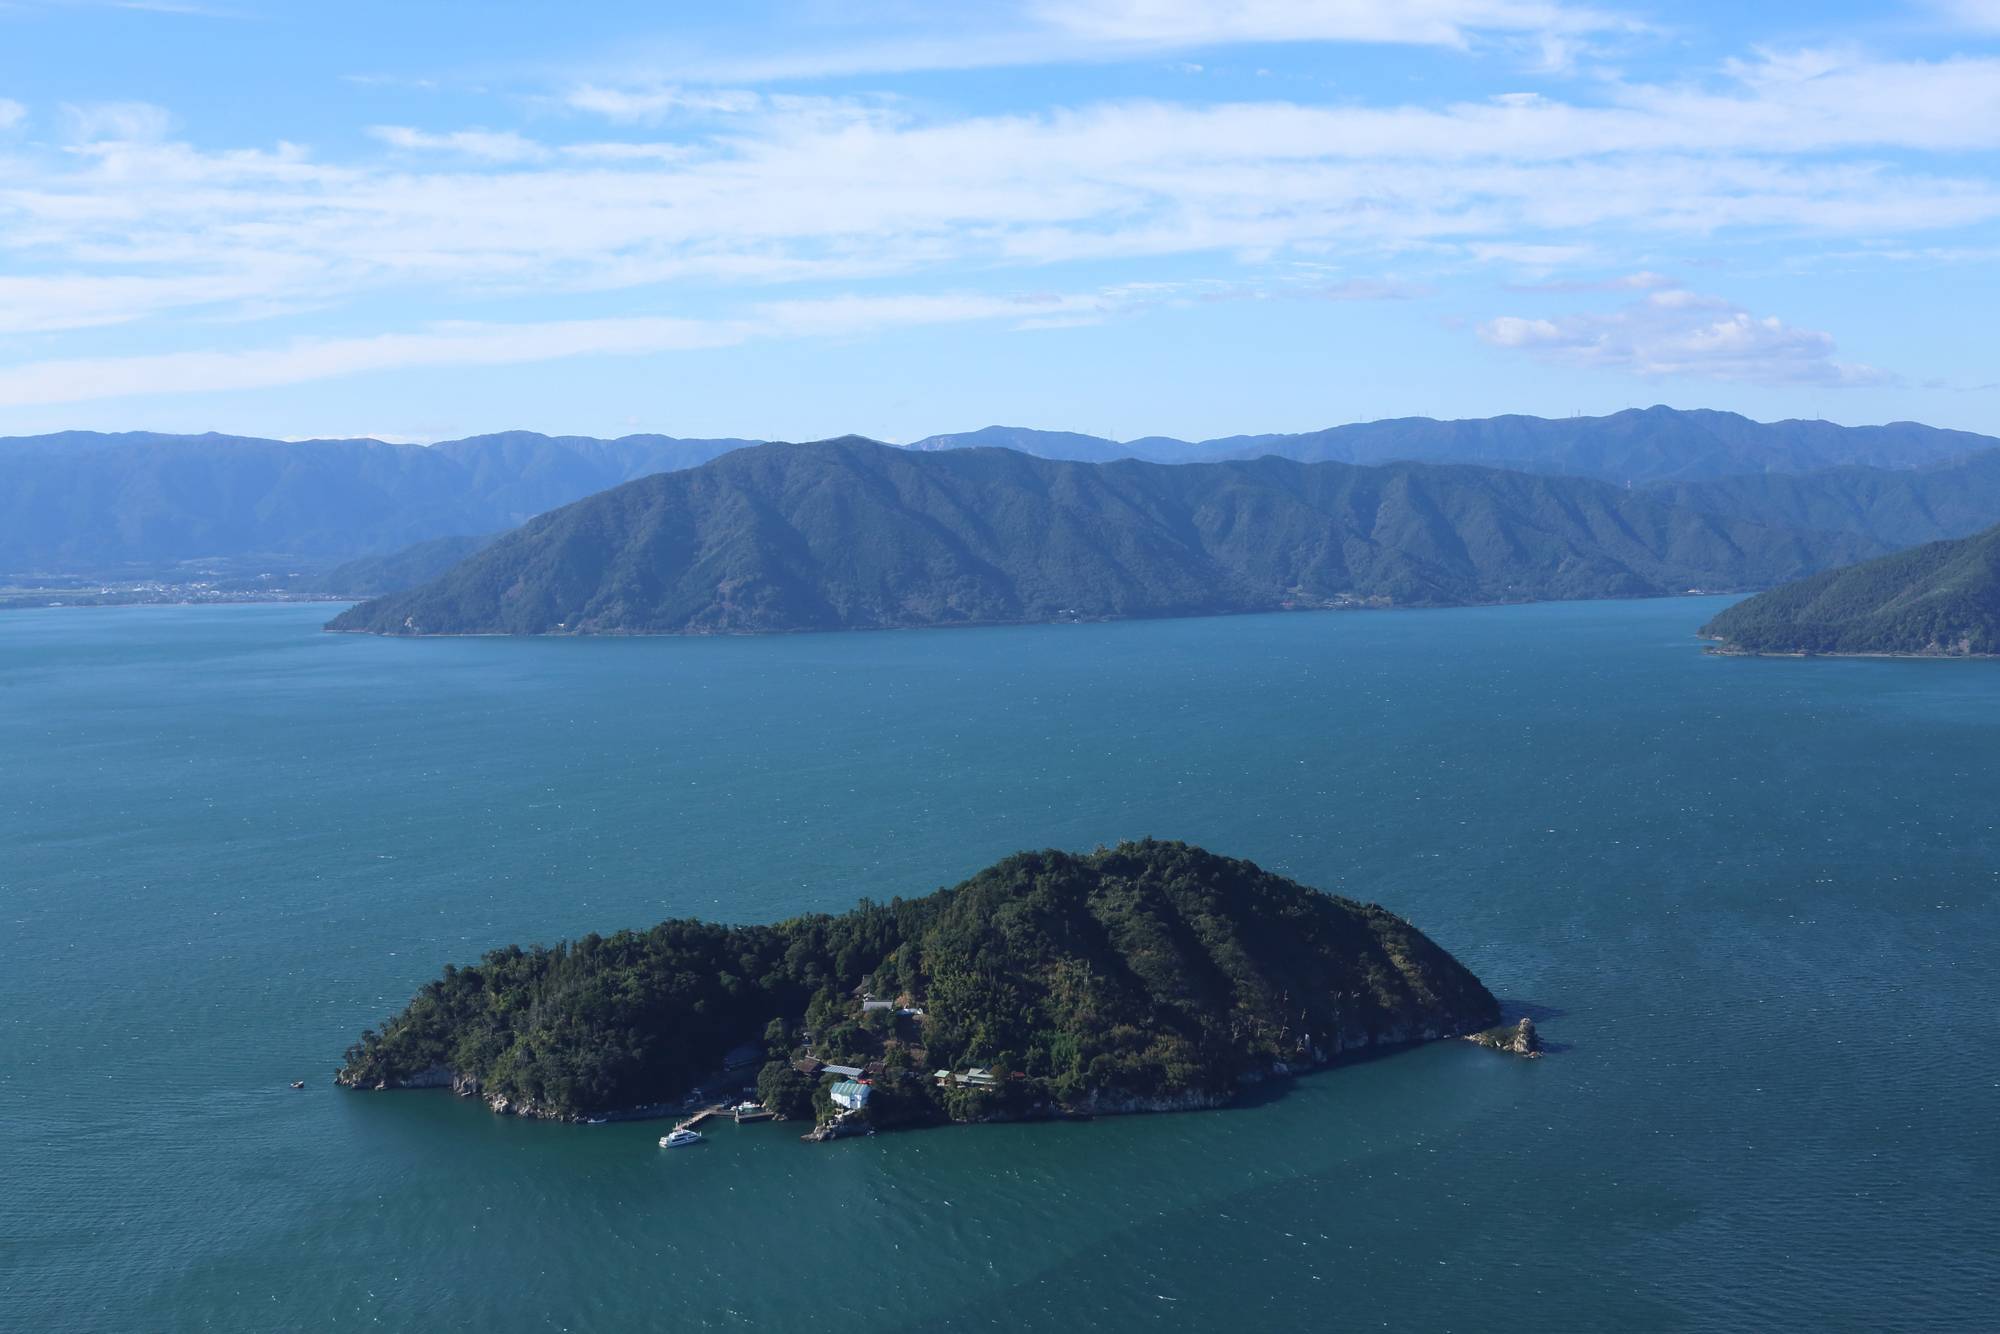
(1520,1040)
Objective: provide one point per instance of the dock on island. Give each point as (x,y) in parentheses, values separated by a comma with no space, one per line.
(737,1112)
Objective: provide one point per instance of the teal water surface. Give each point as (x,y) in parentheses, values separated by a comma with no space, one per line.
(1754,900)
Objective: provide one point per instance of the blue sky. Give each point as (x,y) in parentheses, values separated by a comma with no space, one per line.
(1128,217)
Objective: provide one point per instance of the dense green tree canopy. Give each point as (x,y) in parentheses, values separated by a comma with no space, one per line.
(1942,598)
(1146,969)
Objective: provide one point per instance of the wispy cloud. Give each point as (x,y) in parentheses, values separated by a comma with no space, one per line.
(464,343)
(1681,333)
(651,103)
(624,151)
(486,145)
(1184,23)
(1645,280)
(12,113)
(1369,289)
(122,224)
(172,7)
(1551,35)
(42,304)
(176,8)
(1532,255)
(1974,15)
(390,81)
(121,122)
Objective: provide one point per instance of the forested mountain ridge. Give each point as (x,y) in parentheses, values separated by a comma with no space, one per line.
(139,502)
(1897,507)
(851,534)
(1150,971)
(1937,600)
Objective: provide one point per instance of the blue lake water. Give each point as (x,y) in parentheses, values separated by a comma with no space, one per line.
(1755,901)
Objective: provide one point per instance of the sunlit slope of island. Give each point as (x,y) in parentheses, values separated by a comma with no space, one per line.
(373,576)
(1149,975)
(852,534)
(1938,600)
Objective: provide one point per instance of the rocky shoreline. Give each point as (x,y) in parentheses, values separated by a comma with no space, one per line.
(1519,1040)
(1732,651)
(467,1086)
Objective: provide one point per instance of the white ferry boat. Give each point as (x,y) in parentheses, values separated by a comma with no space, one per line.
(680,1138)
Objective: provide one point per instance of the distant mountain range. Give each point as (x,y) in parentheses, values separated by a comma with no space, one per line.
(1938,600)
(1639,445)
(81,502)
(853,534)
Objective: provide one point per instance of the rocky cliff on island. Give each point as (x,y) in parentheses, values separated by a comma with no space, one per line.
(1148,976)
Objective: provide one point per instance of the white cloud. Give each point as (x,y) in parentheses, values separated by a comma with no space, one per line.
(1681,333)
(12,113)
(486,145)
(793,189)
(125,226)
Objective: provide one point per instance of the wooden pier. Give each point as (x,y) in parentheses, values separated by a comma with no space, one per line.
(700,1116)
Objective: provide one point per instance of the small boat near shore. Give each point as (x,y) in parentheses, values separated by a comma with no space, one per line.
(298,1083)
(680,1139)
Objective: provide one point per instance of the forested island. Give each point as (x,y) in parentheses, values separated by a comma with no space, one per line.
(1937,600)
(1149,976)
(850,534)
